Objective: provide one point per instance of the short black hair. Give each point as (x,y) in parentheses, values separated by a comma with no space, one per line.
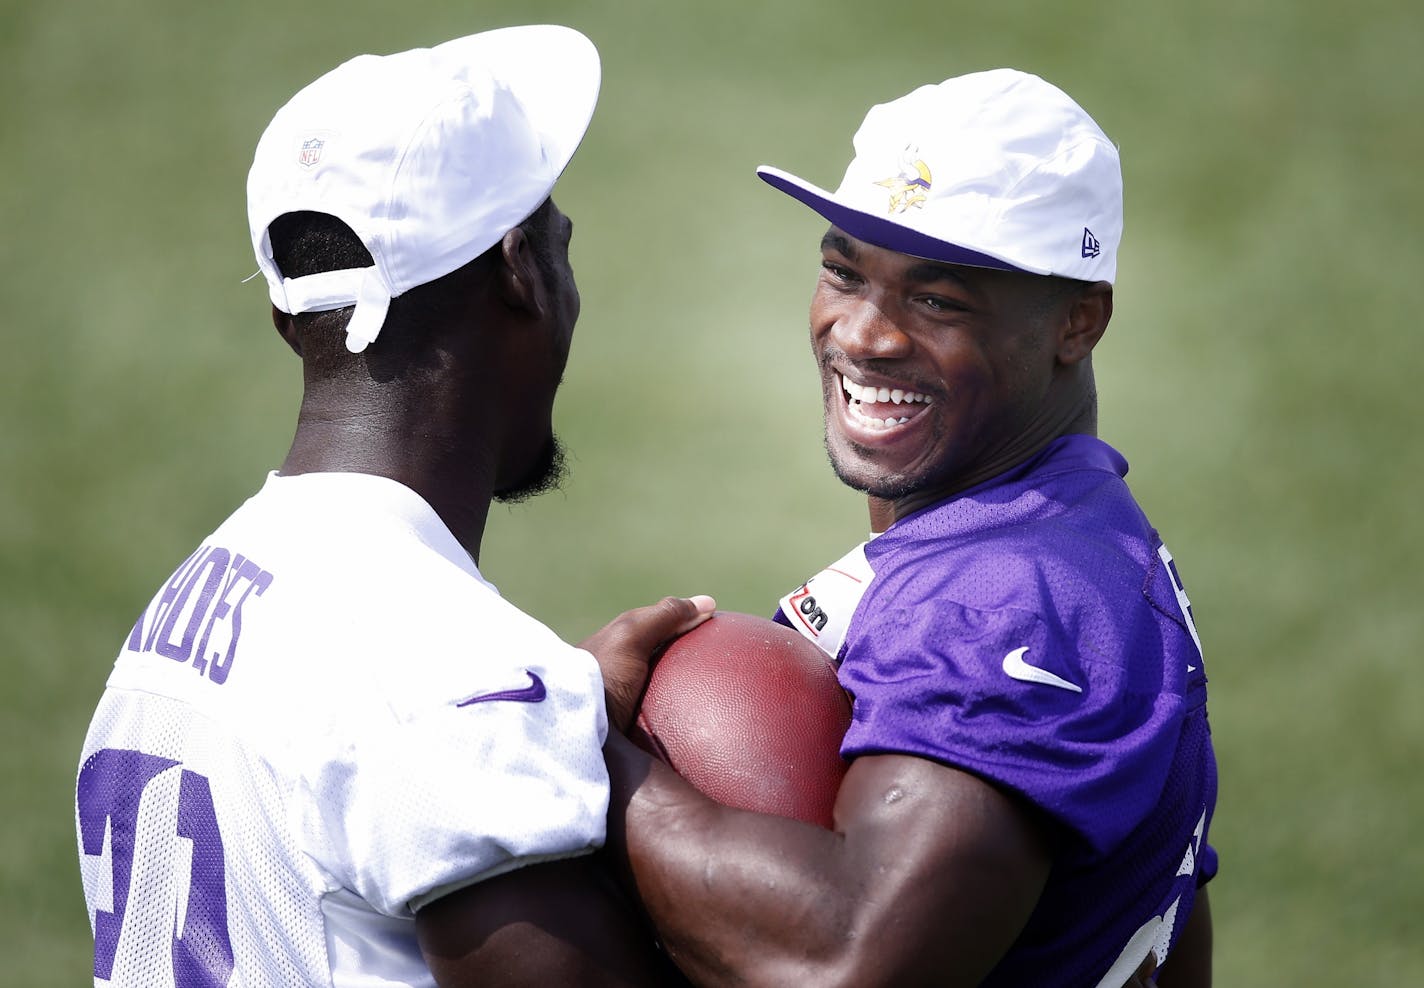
(306,243)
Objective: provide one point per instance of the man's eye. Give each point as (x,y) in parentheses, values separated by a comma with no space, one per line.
(941,304)
(837,272)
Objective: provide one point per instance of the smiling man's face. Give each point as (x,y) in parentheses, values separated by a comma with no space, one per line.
(936,376)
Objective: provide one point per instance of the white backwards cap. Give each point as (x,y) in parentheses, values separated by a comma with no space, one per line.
(430,156)
(994,169)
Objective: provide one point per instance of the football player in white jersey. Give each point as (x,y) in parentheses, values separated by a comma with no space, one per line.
(329,753)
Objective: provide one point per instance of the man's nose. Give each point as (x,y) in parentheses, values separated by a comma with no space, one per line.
(863,329)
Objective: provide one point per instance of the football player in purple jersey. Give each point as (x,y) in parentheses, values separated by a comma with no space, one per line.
(1032,779)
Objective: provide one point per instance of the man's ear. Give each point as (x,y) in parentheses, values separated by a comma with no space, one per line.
(1087,320)
(519,283)
(287,330)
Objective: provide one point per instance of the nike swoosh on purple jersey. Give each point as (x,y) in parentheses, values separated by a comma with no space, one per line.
(1017,668)
(532,693)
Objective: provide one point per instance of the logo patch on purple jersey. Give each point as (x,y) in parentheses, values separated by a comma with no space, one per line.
(1017,668)
(532,693)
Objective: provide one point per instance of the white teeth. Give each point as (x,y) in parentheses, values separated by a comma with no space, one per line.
(868,393)
(884,423)
(862,392)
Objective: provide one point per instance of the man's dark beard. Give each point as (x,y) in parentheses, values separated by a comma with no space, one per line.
(545,475)
(882,487)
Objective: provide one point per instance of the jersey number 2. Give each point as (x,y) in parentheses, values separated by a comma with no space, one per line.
(110,790)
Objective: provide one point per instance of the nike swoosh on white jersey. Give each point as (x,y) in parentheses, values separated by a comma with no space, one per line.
(533,693)
(1017,668)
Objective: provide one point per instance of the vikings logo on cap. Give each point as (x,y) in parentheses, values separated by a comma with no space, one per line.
(909,187)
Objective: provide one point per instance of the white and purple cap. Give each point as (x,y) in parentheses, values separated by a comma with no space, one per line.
(996,169)
(429,155)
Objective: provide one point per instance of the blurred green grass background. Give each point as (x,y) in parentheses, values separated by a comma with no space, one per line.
(1261,373)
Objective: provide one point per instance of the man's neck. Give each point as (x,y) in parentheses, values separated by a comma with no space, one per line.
(388,446)
(1081,420)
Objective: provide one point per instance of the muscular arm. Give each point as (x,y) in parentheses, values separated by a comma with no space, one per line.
(559,923)
(928,877)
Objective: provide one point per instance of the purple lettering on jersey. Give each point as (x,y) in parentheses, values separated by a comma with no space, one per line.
(202,949)
(240,567)
(109,793)
(165,600)
(220,573)
(111,783)
(215,563)
(258,580)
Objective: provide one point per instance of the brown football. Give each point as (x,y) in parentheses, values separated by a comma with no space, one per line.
(751,713)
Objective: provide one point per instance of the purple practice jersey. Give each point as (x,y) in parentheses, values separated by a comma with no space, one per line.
(1033,630)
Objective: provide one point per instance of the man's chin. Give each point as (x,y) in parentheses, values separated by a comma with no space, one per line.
(547,474)
(859,473)
(885,488)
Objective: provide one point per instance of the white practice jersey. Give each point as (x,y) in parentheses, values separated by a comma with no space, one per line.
(325,719)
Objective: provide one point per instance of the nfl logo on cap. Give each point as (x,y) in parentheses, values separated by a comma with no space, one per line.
(311,151)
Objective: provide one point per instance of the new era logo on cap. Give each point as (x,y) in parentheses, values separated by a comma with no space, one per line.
(995,169)
(1091,247)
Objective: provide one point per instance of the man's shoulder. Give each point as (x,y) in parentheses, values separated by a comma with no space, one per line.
(366,533)
(1067,514)
(301,588)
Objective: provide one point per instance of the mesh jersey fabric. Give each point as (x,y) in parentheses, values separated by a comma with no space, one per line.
(324,719)
(1034,631)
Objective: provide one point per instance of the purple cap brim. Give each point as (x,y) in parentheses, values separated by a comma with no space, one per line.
(878,230)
